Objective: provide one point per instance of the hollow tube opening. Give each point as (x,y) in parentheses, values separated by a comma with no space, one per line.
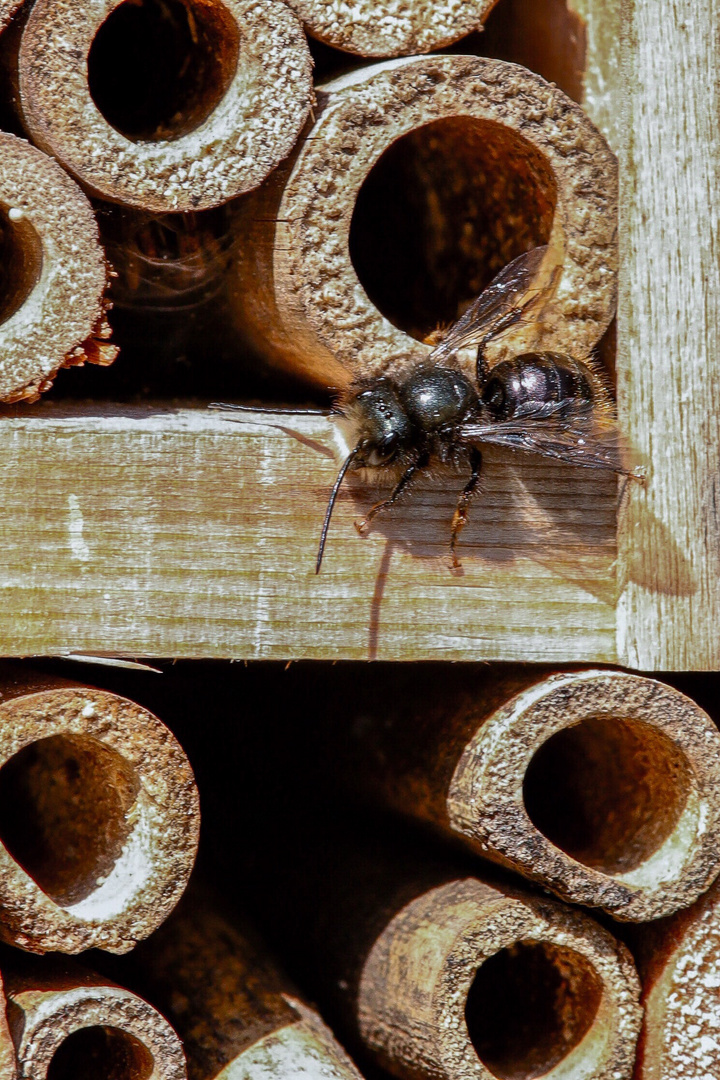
(106,1052)
(65,806)
(607,791)
(157,69)
(529,1006)
(442,211)
(20,261)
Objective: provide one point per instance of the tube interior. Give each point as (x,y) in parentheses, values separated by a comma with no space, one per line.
(529,1006)
(607,791)
(106,1052)
(65,803)
(443,210)
(20,262)
(158,68)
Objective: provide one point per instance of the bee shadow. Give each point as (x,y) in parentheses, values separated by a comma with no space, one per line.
(564,519)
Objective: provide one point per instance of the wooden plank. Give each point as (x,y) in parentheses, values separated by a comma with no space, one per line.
(173,532)
(669,335)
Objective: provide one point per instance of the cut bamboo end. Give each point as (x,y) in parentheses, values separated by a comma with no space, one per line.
(467,982)
(420,180)
(603,786)
(600,785)
(8,1069)
(99,819)
(7,10)
(67,1022)
(681,995)
(176,105)
(391,28)
(53,274)
(234,1011)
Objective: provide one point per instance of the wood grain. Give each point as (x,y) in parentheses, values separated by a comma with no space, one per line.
(173,532)
(669,336)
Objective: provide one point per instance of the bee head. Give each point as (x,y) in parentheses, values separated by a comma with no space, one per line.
(384,428)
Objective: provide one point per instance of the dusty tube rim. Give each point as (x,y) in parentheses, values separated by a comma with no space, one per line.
(673,872)
(610,1035)
(147,870)
(64,1013)
(390,100)
(272,81)
(391,28)
(55,222)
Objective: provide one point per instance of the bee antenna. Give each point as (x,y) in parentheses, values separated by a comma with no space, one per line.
(331,503)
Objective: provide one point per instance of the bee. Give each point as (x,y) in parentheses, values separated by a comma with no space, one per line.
(537,402)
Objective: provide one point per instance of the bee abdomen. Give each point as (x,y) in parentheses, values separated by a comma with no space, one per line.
(537,379)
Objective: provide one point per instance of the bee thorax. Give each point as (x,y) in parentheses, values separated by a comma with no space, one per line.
(437,398)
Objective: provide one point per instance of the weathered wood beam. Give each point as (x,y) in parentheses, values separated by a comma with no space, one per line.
(668,364)
(173,532)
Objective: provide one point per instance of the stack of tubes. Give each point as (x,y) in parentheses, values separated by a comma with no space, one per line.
(506,876)
(418,944)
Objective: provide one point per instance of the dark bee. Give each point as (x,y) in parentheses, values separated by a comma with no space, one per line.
(539,402)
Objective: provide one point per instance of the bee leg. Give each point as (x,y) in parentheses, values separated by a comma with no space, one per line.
(463,505)
(420,463)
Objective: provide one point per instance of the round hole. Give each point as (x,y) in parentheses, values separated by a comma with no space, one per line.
(442,211)
(64,804)
(106,1052)
(20,262)
(158,68)
(529,1006)
(607,792)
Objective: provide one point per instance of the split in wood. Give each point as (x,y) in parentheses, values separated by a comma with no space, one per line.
(234,1011)
(165,104)
(99,818)
(603,786)
(53,274)
(391,27)
(680,965)
(419,181)
(68,1023)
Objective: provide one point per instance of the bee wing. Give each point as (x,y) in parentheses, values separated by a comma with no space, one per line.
(583,439)
(502,304)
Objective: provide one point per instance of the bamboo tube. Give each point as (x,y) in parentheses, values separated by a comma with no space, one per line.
(52,274)
(7,10)
(464,981)
(7,1048)
(165,104)
(680,963)
(99,818)
(602,786)
(70,1024)
(235,1012)
(438,975)
(419,181)
(391,27)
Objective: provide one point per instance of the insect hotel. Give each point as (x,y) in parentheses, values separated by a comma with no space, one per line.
(360,540)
